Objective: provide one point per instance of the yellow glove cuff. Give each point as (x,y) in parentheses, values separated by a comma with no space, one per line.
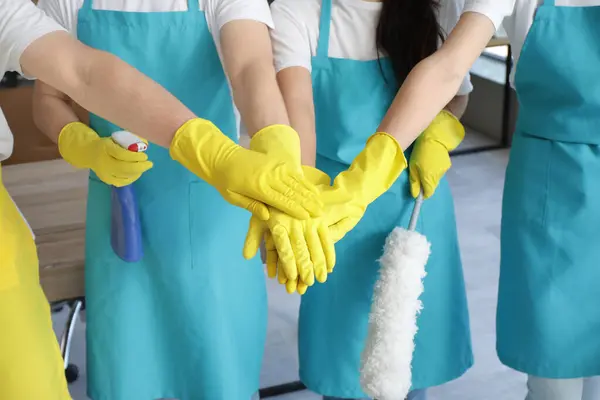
(384,145)
(75,132)
(316,176)
(198,144)
(375,169)
(445,129)
(190,128)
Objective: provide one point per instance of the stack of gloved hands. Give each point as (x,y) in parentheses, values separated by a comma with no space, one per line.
(295,209)
(300,252)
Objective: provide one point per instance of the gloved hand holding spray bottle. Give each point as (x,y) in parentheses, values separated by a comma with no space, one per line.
(117,161)
(126,232)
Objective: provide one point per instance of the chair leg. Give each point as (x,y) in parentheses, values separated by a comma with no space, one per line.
(67,336)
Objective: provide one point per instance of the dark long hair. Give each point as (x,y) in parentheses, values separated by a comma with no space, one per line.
(408,32)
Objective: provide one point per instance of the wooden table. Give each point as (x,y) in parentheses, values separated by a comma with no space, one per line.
(52,196)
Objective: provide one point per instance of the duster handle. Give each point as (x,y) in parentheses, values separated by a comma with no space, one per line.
(412,225)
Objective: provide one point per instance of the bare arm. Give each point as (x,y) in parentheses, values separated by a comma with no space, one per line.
(434,81)
(104,85)
(252,74)
(52,110)
(296,88)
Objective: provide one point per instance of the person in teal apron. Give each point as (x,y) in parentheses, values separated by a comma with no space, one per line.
(189,320)
(175,325)
(548,317)
(350,100)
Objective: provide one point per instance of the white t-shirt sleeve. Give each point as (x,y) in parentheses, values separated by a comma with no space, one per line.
(220,12)
(21,24)
(449,14)
(63,11)
(495,10)
(291,37)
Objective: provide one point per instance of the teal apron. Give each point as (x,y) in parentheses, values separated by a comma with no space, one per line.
(188,321)
(351,97)
(548,321)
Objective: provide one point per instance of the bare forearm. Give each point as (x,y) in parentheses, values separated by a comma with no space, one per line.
(302,119)
(106,86)
(127,98)
(258,98)
(434,81)
(51,110)
(296,88)
(252,74)
(426,91)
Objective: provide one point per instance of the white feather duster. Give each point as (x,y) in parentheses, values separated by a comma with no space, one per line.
(387,356)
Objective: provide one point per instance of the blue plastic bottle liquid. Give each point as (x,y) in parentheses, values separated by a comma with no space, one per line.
(126,230)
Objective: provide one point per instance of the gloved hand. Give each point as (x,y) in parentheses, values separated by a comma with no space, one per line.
(291,285)
(278,140)
(273,270)
(371,174)
(82,147)
(245,178)
(284,141)
(297,251)
(304,250)
(430,158)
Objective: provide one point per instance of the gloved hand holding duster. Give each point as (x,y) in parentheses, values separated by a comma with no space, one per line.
(430,159)
(382,161)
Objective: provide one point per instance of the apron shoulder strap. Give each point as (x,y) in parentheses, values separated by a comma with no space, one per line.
(324,28)
(548,3)
(193,5)
(86,6)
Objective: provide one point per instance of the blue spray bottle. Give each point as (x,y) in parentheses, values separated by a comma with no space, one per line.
(126,230)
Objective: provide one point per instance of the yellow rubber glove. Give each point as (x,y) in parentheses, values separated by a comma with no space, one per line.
(280,140)
(245,178)
(332,199)
(304,249)
(273,269)
(298,251)
(430,158)
(284,141)
(371,174)
(82,147)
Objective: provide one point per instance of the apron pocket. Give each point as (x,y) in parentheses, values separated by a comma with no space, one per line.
(165,221)
(527,185)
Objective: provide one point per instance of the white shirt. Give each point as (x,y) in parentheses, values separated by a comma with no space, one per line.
(218,12)
(517,16)
(352,33)
(21,23)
